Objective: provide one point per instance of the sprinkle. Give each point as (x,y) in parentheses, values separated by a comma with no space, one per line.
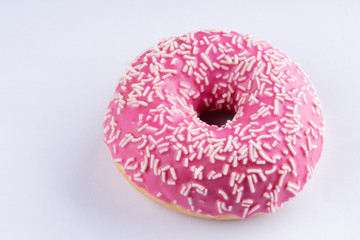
(293,166)
(238,196)
(168,71)
(123,144)
(162,130)
(276,107)
(128,162)
(218,157)
(309,143)
(244,129)
(144,165)
(163,150)
(293,191)
(133,167)
(165,168)
(163,176)
(218,203)
(207,61)
(265,157)
(267,172)
(258,147)
(138,179)
(251,184)
(245,212)
(142,127)
(156,163)
(259,172)
(216,176)
(281,179)
(224,195)
(226,169)
(197,171)
(291,149)
(142,145)
(253,209)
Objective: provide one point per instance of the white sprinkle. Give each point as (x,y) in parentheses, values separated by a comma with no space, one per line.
(270,124)
(168,71)
(143,103)
(253,209)
(173,61)
(165,168)
(259,172)
(254,178)
(244,129)
(224,195)
(178,155)
(291,149)
(293,191)
(142,145)
(271,170)
(182,191)
(293,185)
(106,129)
(173,174)
(226,169)
(265,157)
(136,139)
(218,203)
(202,65)
(251,184)
(180,137)
(276,107)
(281,179)
(162,130)
(171,182)
(293,166)
(232,179)
(126,141)
(207,61)
(142,127)
(218,175)
(228,144)
(144,164)
(245,212)
(163,150)
(309,143)
(218,157)
(251,152)
(211,174)
(163,176)
(156,163)
(258,147)
(257,130)
(267,146)
(249,67)
(241,178)
(138,179)
(133,167)
(238,197)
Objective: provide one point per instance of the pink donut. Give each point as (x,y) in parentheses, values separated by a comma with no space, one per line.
(253,163)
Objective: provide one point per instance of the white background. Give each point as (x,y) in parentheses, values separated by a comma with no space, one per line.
(59,64)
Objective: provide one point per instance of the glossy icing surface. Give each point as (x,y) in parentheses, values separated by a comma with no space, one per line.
(252,164)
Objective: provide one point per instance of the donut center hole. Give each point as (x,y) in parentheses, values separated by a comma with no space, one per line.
(216,117)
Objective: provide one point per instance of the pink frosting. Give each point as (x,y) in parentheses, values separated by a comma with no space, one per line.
(252,164)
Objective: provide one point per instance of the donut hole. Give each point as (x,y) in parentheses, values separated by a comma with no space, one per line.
(216,117)
(216,108)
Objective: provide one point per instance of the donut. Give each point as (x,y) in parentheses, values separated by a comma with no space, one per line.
(253,163)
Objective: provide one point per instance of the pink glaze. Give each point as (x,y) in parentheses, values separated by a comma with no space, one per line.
(252,164)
